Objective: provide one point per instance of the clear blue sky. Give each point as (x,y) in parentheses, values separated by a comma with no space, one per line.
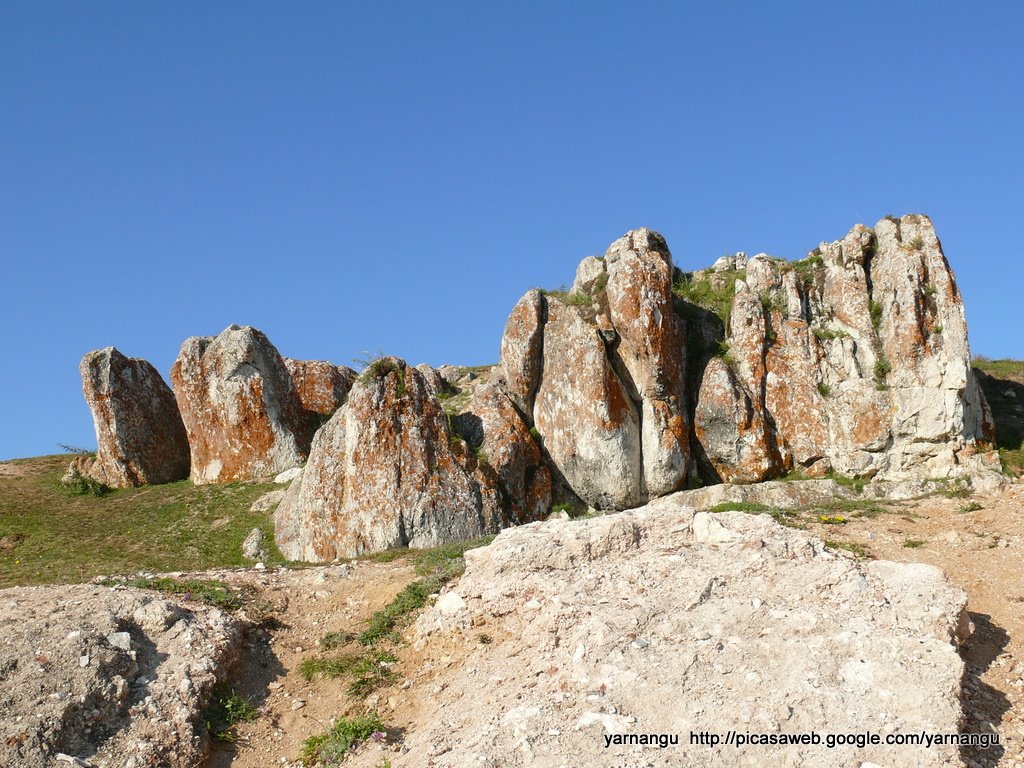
(392,176)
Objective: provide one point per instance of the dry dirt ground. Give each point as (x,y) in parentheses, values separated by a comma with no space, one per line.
(981,550)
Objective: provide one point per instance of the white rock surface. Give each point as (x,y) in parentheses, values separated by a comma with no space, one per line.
(663,620)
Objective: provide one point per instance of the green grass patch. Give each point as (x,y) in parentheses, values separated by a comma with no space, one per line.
(367,671)
(855,484)
(824,389)
(1002,368)
(209,591)
(786,517)
(859,550)
(972,506)
(713,291)
(384,623)
(1012,460)
(436,567)
(914,543)
(332,746)
(740,506)
(447,558)
(862,508)
(64,539)
(955,487)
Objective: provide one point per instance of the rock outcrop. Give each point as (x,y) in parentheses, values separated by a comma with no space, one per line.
(108,677)
(663,620)
(386,471)
(856,357)
(638,382)
(140,437)
(321,386)
(600,373)
(243,415)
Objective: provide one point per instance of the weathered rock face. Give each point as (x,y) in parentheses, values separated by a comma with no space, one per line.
(857,356)
(111,677)
(493,426)
(139,433)
(652,621)
(243,415)
(650,347)
(853,360)
(730,427)
(601,371)
(385,472)
(589,424)
(321,386)
(521,350)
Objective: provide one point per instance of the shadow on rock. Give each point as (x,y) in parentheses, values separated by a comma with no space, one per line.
(984,706)
(250,678)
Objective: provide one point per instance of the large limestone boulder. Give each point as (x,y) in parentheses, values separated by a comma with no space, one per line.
(663,620)
(243,415)
(385,472)
(140,437)
(321,386)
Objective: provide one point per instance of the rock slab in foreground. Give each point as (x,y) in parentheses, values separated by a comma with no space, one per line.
(664,620)
(113,677)
(140,437)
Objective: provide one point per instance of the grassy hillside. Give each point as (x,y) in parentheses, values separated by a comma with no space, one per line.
(1002,381)
(48,535)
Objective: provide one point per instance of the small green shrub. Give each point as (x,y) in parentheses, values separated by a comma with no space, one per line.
(824,389)
(854,483)
(714,294)
(917,244)
(875,310)
(332,746)
(956,488)
(535,434)
(555,508)
(914,543)
(725,352)
(333,640)
(972,506)
(77,484)
(227,709)
(882,370)
(828,334)
(772,302)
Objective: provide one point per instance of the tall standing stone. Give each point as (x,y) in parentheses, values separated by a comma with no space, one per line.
(243,415)
(140,437)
